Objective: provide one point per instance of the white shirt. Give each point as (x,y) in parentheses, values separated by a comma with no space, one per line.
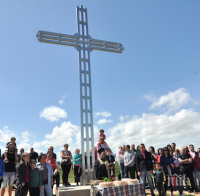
(192,154)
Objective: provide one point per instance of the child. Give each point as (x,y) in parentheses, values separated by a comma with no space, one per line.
(160,179)
(12,141)
(102,137)
(101,131)
(177,173)
(35,179)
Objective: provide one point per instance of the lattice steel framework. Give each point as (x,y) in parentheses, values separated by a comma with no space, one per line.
(84,43)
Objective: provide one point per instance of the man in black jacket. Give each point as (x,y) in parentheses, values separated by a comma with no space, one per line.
(144,167)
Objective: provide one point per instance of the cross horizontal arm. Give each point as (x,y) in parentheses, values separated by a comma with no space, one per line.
(75,41)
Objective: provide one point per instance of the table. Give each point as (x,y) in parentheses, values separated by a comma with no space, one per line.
(127,190)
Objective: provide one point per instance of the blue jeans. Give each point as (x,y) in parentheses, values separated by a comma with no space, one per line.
(147,174)
(48,189)
(122,169)
(196,175)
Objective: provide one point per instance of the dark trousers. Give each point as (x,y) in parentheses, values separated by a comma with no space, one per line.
(25,188)
(34,191)
(57,179)
(77,173)
(166,183)
(159,186)
(130,170)
(135,168)
(66,170)
(189,175)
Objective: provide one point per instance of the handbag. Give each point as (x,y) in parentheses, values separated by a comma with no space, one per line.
(66,161)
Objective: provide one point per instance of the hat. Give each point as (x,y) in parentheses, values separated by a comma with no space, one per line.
(101,150)
(32,161)
(176,162)
(111,164)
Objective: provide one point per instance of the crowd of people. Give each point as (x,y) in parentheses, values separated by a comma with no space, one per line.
(168,168)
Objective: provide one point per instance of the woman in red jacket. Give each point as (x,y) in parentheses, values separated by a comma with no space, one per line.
(54,166)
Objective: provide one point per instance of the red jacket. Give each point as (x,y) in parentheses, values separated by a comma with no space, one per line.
(196,161)
(52,163)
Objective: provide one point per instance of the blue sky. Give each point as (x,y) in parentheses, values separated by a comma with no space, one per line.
(162,46)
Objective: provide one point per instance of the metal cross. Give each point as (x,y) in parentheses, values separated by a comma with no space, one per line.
(84,43)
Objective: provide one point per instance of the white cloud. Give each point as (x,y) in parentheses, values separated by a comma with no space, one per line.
(104,114)
(103,121)
(53,113)
(25,146)
(62,100)
(61,135)
(25,136)
(122,118)
(5,135)
(172,101)
(157,130)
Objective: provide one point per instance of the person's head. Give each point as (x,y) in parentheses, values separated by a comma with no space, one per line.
(33,163)
(31,149)
(142,147)
(177,151)
(138,148)
(66,146)
(176,163)
(109,151)
(133,146)
(169,147)
(171,152)
(191,147)
(120,148)
(160,151)
(127,148)
(158,166)
(102,154)
(186,147)
(123,147)
(101,131)
(11,148)
(49,154)
(173,146)
(165,152)
(25,157)
(198,150)
(51,148)
(12,140)
(101,139)
(21,150)
(183,150)
(42,158)
(77,151)
(151,149)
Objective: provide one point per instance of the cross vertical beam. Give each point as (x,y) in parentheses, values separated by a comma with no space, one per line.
(86,116)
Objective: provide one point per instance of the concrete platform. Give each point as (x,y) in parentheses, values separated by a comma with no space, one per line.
(73,190)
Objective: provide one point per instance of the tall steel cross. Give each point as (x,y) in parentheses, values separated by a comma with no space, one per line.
(84,43)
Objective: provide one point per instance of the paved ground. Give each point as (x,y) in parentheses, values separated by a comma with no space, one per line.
(176,193)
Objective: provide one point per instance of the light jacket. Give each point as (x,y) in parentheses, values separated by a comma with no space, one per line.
(50,171)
